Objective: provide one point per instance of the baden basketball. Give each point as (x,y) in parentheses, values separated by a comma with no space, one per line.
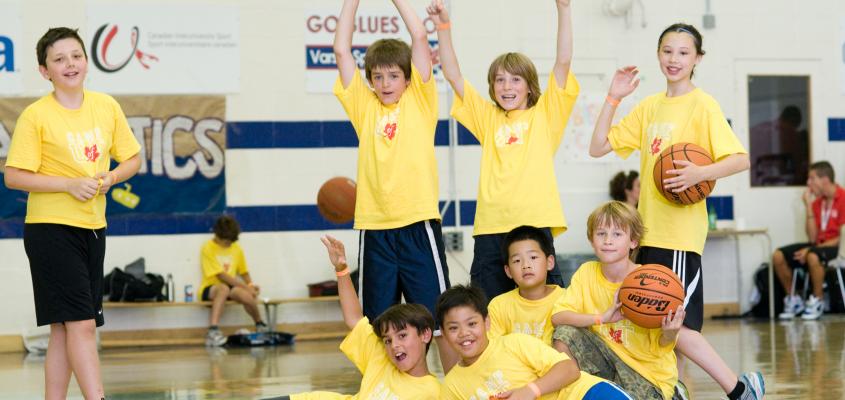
(688,152)
(648,293)
(336,200)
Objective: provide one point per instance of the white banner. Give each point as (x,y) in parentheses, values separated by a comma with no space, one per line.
(579,130)
(163,48)
(11,81)
(842,54)
(371,24)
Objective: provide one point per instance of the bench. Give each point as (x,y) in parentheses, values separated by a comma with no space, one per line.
(271,307)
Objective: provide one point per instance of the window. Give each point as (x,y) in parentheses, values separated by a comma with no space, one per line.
(779,110)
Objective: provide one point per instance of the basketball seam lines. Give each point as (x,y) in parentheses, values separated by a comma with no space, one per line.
(651,290)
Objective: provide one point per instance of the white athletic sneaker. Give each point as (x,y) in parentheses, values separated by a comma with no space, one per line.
(755,388)
(215,338)
(792,306)
(813,309)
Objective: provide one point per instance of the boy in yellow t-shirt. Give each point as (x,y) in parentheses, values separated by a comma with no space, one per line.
(390,352)
(401,252)
(514,366)
(528,308)
(223,263)
(591,328)
(519,132)
(60,154)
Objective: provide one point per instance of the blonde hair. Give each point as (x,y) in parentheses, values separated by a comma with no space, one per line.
(619,214)
(515,64)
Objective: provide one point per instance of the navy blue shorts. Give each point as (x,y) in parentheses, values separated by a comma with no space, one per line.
(488,266)
(409,261)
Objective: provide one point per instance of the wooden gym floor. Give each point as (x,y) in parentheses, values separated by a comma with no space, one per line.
(800,360)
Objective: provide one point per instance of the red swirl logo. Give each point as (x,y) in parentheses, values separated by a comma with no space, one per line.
(104,39)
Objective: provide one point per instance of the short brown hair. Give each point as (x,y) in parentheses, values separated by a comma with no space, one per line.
(618,214)
(227,228)
(52,36)
(386,53)
(823,169)
(400,316)
(516,64)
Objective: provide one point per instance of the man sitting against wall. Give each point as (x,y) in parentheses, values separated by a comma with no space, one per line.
(225,276)
(825,204)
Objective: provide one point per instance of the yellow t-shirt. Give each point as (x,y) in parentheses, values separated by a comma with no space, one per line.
(591,293)
(397,171)
(216,259)
(510,362)
(656,123)
(52,140)
(511,313)
(381,379)
(517,185)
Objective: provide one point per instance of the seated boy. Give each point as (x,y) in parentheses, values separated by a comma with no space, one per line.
(390,353)
(223,262)
(528,308)
(514,366)
(593,331)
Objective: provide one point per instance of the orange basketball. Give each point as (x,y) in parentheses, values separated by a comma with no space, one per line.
(648,293)
(682,151)
(336,200)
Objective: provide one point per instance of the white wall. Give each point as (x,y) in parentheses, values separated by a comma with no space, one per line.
(751,37)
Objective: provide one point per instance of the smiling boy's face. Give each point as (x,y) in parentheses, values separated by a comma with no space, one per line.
(389,83)
(466,331)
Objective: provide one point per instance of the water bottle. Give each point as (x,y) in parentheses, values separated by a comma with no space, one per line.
(711,218)
(189,293)
(171,289)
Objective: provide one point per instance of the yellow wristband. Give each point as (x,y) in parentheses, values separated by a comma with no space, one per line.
(534,388)
(444,26)
(342,273)
(611,101)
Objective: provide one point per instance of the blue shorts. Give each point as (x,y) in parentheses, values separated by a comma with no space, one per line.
(606,391)
(409,261)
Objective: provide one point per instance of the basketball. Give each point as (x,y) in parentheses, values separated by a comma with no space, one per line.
(648,293)
(682,151)
(336,200)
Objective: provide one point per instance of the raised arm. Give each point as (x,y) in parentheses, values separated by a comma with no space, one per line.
(624,82)
(343,42)
(420,50)
(563,60)
(448,60)
(346,291)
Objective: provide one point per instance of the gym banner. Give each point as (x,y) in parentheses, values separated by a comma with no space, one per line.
(183,142)
(11,81)
(371,24)
(163,48)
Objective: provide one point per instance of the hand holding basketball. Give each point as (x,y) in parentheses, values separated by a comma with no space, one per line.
(686,174)
(672,323)
(614,313)
(337,253)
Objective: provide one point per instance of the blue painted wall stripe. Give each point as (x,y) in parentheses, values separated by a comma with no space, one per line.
(836,129)
(314,134)
(303,217)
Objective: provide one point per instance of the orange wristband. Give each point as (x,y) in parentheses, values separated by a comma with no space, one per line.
(611,101)
(534,388)
(342,273)
(444,26)
(597,319)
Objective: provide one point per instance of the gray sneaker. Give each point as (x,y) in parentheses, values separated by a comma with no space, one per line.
(215,338)
(755,388)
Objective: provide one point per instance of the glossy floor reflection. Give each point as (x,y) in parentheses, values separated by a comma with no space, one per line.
(800,360)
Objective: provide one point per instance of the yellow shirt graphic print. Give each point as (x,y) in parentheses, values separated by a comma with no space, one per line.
(382,392)
(493,385)
(86,147)
(511,134)
(659,136)
(388,125)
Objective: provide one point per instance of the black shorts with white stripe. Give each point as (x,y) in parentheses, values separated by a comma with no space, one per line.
(687,265)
